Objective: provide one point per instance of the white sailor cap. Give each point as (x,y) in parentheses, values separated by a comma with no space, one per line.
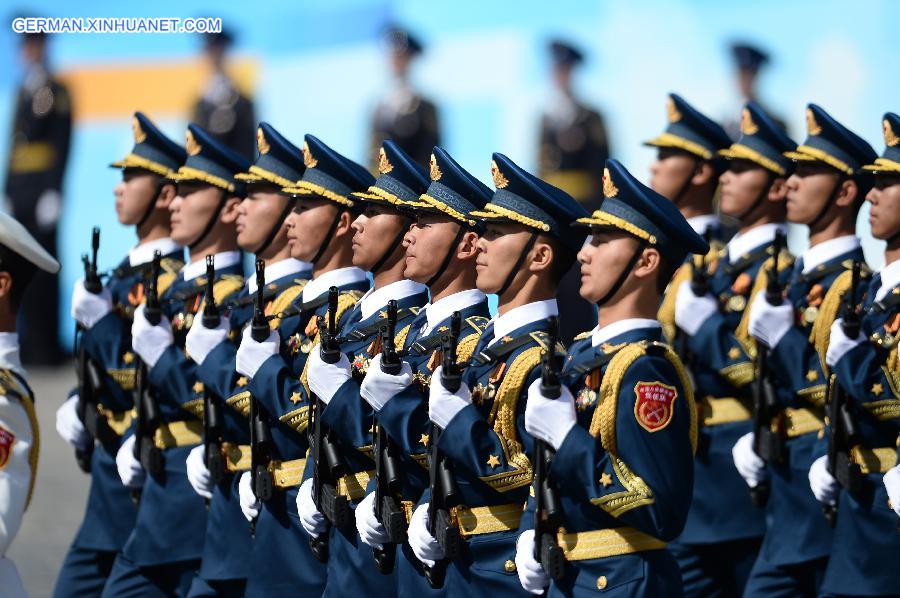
(17,239)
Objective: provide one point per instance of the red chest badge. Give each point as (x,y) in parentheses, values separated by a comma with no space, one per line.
(7,439)
(655,405)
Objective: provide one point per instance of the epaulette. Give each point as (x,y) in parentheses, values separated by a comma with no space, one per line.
(433,340)
(227,285)
(284,299)
(583,335)
(746,261)
(363,332)
(495,353)
(821,271)
(829,309)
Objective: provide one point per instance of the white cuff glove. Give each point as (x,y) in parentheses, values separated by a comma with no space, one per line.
(378,388)
(824,487)
(751,467)
(198,474)
(370,530)
(130,470)
(200,340)
(692,311)
(531,574)
(88,308)
(325,379)
(70,427)
(891,482)
(549,419)
(423,544)
(443,405)
(251,354)
(249,503)
(769,323)
(149,341)
(839,344)
(311,519)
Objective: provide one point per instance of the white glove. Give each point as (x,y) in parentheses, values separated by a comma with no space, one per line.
(249,503)
(692,311)
(892,485)
(130,470)
(150,341)
(443,405)
(423,544)
(549,419)
(325,379)
(751,467)
(200,340)
(378,388)
(824,486)
(88,308)
(70,427)
(311,519)
(198,474)
(531,574)
(370,530)
(251,354)
(769,323)
(839,344)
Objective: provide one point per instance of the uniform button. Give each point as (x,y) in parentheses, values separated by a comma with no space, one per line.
(509,566)
(601,582)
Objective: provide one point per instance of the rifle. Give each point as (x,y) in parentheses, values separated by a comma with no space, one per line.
(547,511)
(261,480)
(327,465)
(441,481)
(699,274)
(768,444)
(145,449)
(212,408)
(387,463)
(843,434)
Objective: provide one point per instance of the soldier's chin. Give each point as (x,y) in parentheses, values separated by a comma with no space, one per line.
(589,291)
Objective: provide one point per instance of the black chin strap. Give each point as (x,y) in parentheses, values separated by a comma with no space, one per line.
(275,228)
(759,198)
(450,253)
(223,197)
(393,247)
(328,235)
(150,206)
(676,199)
(831,198)
(623,275)
(517,265)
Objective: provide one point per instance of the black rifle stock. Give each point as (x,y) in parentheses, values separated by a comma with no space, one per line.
(261,480)
(212,408)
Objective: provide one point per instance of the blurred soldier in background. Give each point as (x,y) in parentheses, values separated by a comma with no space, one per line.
(42,124)
(748,61)
(402,114)
(222,109)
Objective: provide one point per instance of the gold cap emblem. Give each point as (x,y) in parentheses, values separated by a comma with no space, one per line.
(308,159)
(890,137)
(139,134)
(384,165)
(433,169)
(261,142)
(672,111)
(609,189)
(193,148)
(500,181)
(748,127)
(812,127)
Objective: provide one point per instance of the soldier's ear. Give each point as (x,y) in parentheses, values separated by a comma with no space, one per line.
(6,285)
(468,246)
(704,173)
(848,193)
(777,190)
(542,256)
(648,264)
(229,212)
(165,197)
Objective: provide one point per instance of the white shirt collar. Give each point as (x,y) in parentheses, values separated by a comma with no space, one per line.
(743,243)
(890,278)
(376,299)
(9,352)
(443,308)
(601,335)
(333,278)
(703,222)
(143,253)
(278,270)
(222,260)
(522,316)
(826,250)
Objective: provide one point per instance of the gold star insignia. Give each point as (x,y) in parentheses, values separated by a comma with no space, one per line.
(493,461)
(734,353)
(606,480)
(811,375)
(198,387)
(242,381)
(128,357)
(423,439)
(295,398)
(877,389)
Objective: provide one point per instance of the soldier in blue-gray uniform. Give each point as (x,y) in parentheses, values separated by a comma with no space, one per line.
(261,230)
(526,248)
(824,194)
(441,249)
(865,552)
(319,232)
(163,552)
(142,200)
(624,427)
(377,248)
(724,529)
